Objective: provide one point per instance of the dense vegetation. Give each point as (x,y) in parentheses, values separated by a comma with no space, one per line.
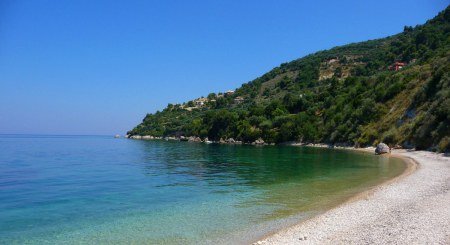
(347,95)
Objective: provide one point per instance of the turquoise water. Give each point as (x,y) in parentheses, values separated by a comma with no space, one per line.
(93,189)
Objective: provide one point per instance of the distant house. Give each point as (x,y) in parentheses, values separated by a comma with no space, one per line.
(229,92)
(397,66)
(239,99)
(200,102)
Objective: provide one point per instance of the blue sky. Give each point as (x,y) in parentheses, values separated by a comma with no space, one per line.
(97,67)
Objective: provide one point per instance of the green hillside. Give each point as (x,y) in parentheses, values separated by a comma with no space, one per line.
(351,94)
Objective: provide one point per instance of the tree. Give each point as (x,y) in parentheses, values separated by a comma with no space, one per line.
(221,103)
(221,124)
(211,96)
(338,72)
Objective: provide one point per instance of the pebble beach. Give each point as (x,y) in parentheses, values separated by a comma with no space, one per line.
(413,208)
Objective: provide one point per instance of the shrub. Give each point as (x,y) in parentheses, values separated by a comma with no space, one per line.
(444,145)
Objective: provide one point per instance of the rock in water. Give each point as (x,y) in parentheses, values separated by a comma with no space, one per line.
(382,148)
(194,139)
(259,141)
(230,141)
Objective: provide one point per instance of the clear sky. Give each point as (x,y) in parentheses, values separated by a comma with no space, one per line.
(97,67)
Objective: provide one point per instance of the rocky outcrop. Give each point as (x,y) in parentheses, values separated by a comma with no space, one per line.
(259,141)
(382,148)
(194,139)
(143,137)
(170,138)
(230,141)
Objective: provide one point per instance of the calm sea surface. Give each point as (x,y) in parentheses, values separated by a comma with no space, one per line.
(93,189)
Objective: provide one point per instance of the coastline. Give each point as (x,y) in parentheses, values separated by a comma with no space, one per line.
(395,211)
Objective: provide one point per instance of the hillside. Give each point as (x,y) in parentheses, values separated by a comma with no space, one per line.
(394,89)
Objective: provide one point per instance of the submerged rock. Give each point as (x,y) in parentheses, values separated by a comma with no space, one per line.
(382,148)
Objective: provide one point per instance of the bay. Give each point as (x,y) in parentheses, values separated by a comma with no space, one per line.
(97,189)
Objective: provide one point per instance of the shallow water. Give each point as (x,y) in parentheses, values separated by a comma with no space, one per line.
(93,189)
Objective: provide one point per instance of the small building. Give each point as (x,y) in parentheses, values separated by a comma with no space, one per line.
(397,66)
(229,92)
(200,102)
(239,99)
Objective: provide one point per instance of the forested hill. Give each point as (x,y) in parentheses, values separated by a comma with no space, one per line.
(394,89)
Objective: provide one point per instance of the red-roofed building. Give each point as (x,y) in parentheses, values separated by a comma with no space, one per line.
(397,66)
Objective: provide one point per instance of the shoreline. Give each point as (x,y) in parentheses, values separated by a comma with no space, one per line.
(342,224)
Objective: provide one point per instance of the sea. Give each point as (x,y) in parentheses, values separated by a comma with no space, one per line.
(103,190)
